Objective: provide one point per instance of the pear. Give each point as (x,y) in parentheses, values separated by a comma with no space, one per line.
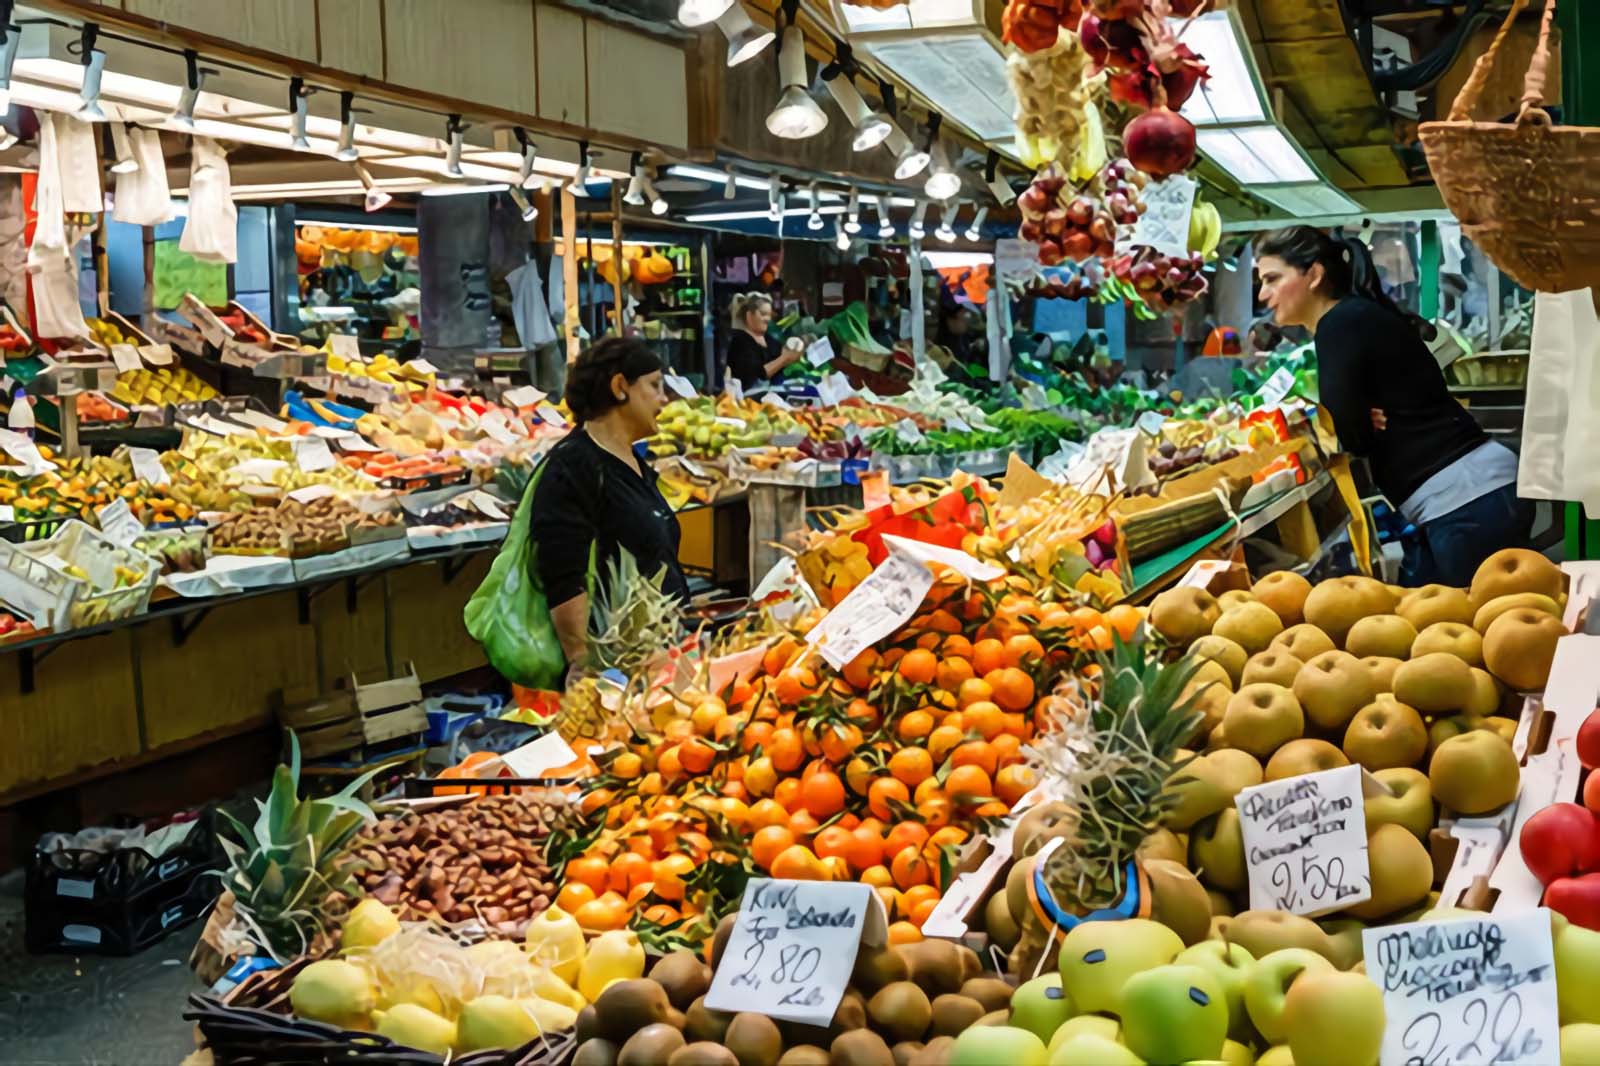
(370,922)
(1263,932)
(1501,604)
(1285,592)
(1474,773)
(1386,733)
(1451,638)
(1179,900)
(1275,666)
(1304,756)
(1382,670)
(1344,941)
(1304,642)
(1512,570)
(1520,646)
(1487,695)
(1410,807)
(1436,683)
(417,1027)
(1262,718)
(1402,872)
(1224,652)
(1183,615)
(1216,853)
(1252,626)
(1331,688)
(1434,603)
(1273,976)
(1336,605)
(494,1022)
(1388,635)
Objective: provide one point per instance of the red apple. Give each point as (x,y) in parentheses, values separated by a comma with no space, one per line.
(1563,840)
(1577,898)
(1591,792)
(1589,741)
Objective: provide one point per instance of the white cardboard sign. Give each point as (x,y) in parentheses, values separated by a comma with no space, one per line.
(679,384)
(156,354)
(550,416)
(344,345)
(312,454)
(522,396)
(118,524)
(872,610)
(126,358)
(1305,842)
(819,352)
(1165,224)
(1467,990)
(538,757)
(147,466)
(1275,388)
(793,947)
(23,450)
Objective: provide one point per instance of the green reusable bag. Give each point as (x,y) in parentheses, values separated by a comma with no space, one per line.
(509,615)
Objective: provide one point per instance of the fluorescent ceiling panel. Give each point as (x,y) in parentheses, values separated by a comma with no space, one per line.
(917,15)
(1230,95)
(1307,201)
(961,74)
(1255,155)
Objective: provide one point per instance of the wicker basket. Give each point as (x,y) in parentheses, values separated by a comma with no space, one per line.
(250,1026)
(1526,192)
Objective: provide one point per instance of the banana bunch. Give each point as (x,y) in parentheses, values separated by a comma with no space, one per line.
(1205,228)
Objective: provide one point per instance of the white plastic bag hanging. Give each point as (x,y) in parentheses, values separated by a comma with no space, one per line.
(212,232)
(1557,458)
(54,280)
(79,166)
(142,197)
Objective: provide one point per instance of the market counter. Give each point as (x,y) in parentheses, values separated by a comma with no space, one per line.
(97,701)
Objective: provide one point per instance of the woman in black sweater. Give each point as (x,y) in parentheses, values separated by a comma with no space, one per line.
(1390,404)
(754,358)
(595,495)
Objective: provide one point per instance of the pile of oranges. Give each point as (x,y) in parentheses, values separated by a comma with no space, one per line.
(878,772)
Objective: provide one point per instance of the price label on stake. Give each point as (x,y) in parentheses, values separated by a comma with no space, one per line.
(819,352)
(156,354)
(344,345)
(679,384)
(126,357)
(1467,990)
(147,466)
(793,946)
(1275,388)
(118,524)
(1164,225)
(312,454)
(1305,842)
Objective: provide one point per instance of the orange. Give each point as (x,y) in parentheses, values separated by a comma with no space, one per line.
(756,734)
(866,847)
(797,863)
(921,912)
(919,666)
(941,621)
(914,725)
(858,774)
(903,836)
(1023,649)
(943,740)
(929,789)
(886,790)
(778,656)
(788,794)
(950,836)
(760,778)
(661,914)
(769,843)
(678,729)
(765,812)
(696,755)
(928,641)
(992,809)
(1123,620)
(591,871)
(1013,689)
(573,895)
(794,684)
(835,868)
(1008,745)
(609,911)
(1013,782)
(785,749)
(911,897)
(628,870)
(968,781)
(956,646)
(904,933)
(988,655)
(803,824)
(627,766)
(838,741)
(952,672)
(911,766)
(977,753)
(734,810)
(707,715)
(823,794)
(891,899)
(983,718)
(863,714)
(878,877)
(910,868)
(975,690)
(936,811)
(668,874)
(668,764)
(861,671)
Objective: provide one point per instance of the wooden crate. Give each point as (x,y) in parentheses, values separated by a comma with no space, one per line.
(334,723)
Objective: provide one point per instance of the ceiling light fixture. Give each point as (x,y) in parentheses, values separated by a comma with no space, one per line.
(746,40)
(945,230)
(456,133)
(464,190)
(658,205)
(943,181)
(815,221)
(852,216)
(94,66)
(871,127)
(885,223)
(998,185)
(580,177)
(755,215)
(775,198)
(909,160)
(692,13)
(917,229)
(730,188)
(530,156)
(975,229)
(635,192)
(126,162)
(796,115)
(841,236)
(347,129)
(194,77)
(520,198)
(376,199)
(298,107)
(8,57)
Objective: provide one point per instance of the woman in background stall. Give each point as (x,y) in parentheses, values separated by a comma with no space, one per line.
(754,357)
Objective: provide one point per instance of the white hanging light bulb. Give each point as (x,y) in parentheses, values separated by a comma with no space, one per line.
(946,214)
(376,199)
(998,185)
(814,221)
(298,106)
(693,13)
(347,129)
(126,162)
(746,40)
(457,134)
(94,65)
(852,215)
(520,198)
(909,160)
(975,229)
(796,115)
(885,223)
(943,181)
(730,188)
(920,212)
(8,59)
(527,178)
(841,236)
(871,127)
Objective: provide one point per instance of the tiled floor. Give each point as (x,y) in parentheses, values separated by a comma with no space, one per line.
(60,1009)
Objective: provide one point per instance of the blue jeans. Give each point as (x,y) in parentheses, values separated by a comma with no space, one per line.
(1449,549)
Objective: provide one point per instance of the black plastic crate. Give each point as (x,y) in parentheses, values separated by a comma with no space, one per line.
(122,927)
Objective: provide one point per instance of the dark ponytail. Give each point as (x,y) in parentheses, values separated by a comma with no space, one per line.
(1347,268)
(588,391)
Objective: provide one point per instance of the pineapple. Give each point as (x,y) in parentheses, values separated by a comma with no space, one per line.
(283,869)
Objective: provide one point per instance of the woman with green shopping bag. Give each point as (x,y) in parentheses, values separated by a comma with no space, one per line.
(591,498)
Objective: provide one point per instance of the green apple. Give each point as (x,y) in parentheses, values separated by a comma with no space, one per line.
(1087,1047)
(1276,1056)
(1097,958)
(1174,1014)
(1577,954)
(1580,1043)
(1235,1053)
(1101,1025)
(1411,806)
(1040,1006)
(985,1045)
(1270,980)
(1334,1019)
(1230,964)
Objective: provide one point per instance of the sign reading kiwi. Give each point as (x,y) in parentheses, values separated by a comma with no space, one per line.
(1305,842)
(793,947)
(1468,989)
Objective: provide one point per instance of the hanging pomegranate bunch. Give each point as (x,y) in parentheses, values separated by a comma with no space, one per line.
(1162,281)
(1033,25)
(1149,69)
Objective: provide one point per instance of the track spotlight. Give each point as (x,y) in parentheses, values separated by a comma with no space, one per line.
(943,181)
(997,183)
(841,236)
(871,127)
(917,230)
(126,163)
(814,222)
(693,13)
(183,118)
(94,65)
(520,198)
(457,135)
(8,59)
(944,231)
(885,223)
(376,199)
(852,215)
(580,179)
(530,155)
(746,40)
(635,193)
(298,105)
(775,199)
(796,115)
(347,129)
(909,160)
(730,189)
(975,229)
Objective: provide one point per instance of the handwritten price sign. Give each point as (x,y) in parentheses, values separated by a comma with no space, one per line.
(793,947)
(1305,842)
(1468,990)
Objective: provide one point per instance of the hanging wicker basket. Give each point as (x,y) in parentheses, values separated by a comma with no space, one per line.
(1527,192)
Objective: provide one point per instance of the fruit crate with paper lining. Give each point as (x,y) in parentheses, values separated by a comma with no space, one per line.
(357,715)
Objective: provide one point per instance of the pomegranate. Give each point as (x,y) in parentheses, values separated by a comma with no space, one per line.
(1137,88)
(1181,83)
(1159,142)
(1112,44)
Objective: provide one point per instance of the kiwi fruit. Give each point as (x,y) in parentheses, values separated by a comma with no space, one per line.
(650,1045)
(971,964)
(905,1051)
(676,1018)
(938,966)
(859,1047)
(754,1040)
(804,1055)
(684,977)
(627,1006)
(901,1010)
(719,938)
(992,992)
(700,1022)
(995,1017)
(596,1051)
(876,967)
(587,1026)
(954,1013)
(702,1053)
(935,1052)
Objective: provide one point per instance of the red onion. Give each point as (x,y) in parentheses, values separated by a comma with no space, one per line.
(1160,142)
